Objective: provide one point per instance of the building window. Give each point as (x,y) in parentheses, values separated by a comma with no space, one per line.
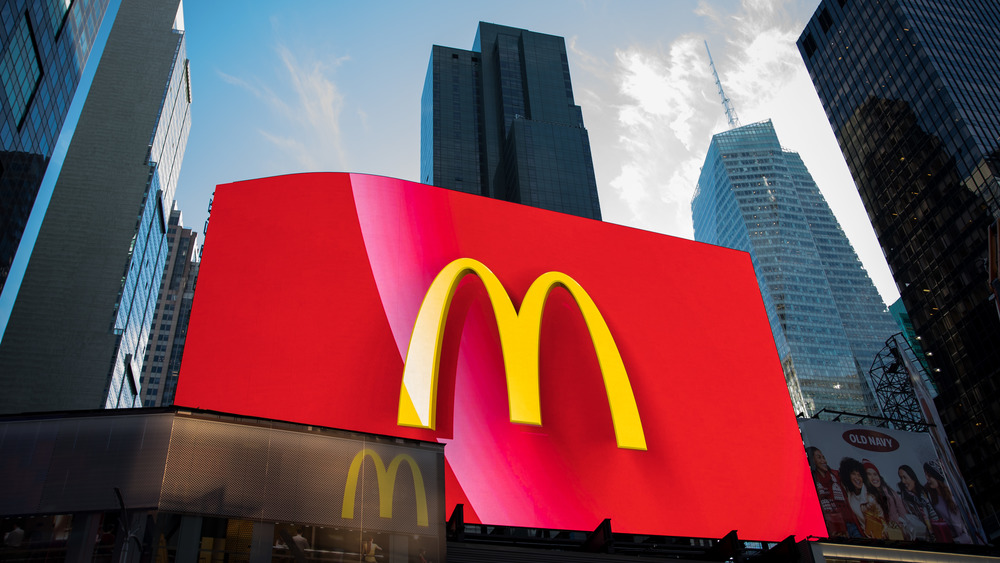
(19,70)
(825,21)
(57,14)
(809,45)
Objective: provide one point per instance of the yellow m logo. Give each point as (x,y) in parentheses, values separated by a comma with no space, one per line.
(519,340)
(386,484)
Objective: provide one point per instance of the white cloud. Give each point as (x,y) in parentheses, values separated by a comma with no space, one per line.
(708,11)
(309,114)
(584,60)
(292,146)
(663,117)
(668,108)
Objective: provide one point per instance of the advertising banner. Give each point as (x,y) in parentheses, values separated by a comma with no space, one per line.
(882,483)
(280,475)
(575,370)
(942,444)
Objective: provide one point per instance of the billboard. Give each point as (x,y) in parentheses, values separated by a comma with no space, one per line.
(882,483)
(337,487)
(575,370)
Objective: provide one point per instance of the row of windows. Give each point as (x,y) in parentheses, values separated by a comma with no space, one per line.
(33,106)
(930,221)
(20,70)
(815,294)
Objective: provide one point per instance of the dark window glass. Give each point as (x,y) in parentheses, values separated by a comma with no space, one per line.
(809,45)
(825,21)
(19,69)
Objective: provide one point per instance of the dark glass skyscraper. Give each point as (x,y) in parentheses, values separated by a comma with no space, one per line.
(910,88)
(500,121)
(75,333)
(827,319)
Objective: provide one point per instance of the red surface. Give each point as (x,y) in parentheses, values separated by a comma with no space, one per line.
(309,287)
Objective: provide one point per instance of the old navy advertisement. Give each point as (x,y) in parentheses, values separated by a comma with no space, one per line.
(881,483)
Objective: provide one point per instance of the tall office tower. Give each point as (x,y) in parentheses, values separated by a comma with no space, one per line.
(44,47)
(165,348)
(902,318)
(827,318)
(910,90)
(77,331)
(500,121)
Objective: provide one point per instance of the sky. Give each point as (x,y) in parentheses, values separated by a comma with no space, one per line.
(335,86)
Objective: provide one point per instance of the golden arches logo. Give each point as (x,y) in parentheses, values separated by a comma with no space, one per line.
(519,342)
(386,485)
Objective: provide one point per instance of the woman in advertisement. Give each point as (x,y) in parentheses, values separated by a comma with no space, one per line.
(944,502)
(892,505)
(863,503)
(839,518)
(919,511)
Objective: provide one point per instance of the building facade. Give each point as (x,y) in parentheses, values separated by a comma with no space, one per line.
(307,493)
(44,47)
(213,486)
(500,121)
(165,348)
(898,312)
(828,320)
(77,330)
(910,90)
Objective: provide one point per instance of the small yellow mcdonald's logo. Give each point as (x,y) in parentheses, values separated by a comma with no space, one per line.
(519,340)
(386,485)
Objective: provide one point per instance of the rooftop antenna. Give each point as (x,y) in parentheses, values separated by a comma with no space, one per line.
(734,120)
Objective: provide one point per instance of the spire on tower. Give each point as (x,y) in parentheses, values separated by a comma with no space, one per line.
(734,120)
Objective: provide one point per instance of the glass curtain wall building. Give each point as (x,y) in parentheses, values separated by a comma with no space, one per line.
(500,121)
(910,90)
(77,331)
(44,47)
(165,347)
(827,318)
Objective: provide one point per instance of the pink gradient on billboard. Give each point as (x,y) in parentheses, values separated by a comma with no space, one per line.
(307,296)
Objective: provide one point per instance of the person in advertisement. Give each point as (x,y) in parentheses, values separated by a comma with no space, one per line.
(892,505)
(897,487)
(863,503)
(944,502)
(840,519)
(918,505)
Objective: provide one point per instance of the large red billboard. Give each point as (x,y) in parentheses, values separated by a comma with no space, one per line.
(575,370)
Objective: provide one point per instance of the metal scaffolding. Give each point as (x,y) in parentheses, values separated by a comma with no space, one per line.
(893,385)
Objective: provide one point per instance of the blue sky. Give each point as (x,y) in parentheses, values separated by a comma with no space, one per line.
(335,86)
